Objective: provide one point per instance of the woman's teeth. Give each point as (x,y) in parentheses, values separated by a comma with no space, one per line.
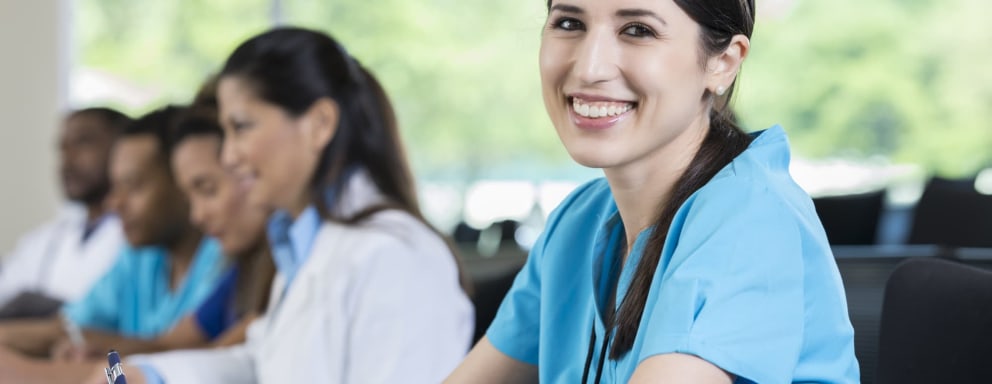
(600,109)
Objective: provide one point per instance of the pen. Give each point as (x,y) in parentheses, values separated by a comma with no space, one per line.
(115,373)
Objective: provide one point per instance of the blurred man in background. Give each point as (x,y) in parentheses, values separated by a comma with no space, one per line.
(59,261)
(167,270)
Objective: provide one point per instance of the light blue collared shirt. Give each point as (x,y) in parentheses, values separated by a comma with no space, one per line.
(291,240)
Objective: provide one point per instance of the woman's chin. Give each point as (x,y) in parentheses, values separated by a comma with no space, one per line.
(258,199)
(594,158)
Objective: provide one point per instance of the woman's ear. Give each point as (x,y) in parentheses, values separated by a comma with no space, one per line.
(723,68)
(321,123)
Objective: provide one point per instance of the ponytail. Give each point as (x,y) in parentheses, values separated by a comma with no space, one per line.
(293,68)
(724,141)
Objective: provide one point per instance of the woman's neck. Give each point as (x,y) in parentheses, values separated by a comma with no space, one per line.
(300,204)
(181,253)
(642,187)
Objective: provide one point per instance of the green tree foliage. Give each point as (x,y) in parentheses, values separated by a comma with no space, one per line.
(463,76)
(169,46)
(904,79)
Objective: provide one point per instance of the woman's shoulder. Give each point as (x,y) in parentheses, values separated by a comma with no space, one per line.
(758,176)
(387,231)
(766,159)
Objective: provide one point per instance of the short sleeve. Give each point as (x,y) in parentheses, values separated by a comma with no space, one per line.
(100,307)
(732,292)
(515,330)
(214,315)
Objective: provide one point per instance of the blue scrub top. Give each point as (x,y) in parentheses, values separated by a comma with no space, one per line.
(219,312)
(134,299)
(746,281)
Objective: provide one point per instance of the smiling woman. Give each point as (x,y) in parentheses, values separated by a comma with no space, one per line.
(697,259)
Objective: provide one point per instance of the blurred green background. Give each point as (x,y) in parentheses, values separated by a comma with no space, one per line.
(898,84)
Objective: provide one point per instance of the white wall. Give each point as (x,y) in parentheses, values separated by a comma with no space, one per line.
(33,62)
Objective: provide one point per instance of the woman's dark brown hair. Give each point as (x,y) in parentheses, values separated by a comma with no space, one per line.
(256,269)
(719,21)
(293,68)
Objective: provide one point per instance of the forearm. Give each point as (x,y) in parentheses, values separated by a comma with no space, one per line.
(203,366)
(236,334)
(185,335)
(104,341)
(486,364)
(21,370)
(31,337)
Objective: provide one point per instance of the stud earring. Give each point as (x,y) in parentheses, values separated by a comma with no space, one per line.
(720,90)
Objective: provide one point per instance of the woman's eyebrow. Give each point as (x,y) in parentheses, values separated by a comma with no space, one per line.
(637,12)
(567,8)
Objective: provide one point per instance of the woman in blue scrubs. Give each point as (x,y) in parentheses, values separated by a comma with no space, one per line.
(697,259)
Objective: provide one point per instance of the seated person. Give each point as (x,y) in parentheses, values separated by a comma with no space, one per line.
(59,261)
(168,270)
(366,291)
(217,207)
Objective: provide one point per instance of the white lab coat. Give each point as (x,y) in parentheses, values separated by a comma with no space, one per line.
(379,302)
(54,260)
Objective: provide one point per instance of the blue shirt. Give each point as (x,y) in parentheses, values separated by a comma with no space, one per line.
(291,240)
(135,299)
(218,312)
(746,281)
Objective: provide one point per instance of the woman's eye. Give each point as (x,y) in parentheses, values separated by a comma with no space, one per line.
(204,189)
(567,24)
(240,125)
(638,30)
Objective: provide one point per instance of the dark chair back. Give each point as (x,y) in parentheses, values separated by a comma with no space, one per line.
(864,274)
(952,213)
(465,234)
(936,324)
(492,278)
(851,219)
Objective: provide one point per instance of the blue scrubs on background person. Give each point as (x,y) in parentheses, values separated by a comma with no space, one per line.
(348,310)
(291,242)
(746,281)
(135,298)
(218,312)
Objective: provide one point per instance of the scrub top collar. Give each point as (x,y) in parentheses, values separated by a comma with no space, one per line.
(611,282)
